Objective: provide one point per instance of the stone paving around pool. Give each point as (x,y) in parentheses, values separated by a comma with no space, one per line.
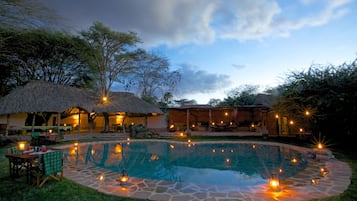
(306,185)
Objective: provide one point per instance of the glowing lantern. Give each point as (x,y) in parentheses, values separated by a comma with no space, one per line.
(323,171)
(123,178)
(21,145)
(320,146)
(101,178)
(274,182)
(315,181)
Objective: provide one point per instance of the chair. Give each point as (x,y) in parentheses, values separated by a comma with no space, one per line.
(51,166)
(13,150)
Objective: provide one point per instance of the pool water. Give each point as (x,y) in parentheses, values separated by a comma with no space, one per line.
(231,164)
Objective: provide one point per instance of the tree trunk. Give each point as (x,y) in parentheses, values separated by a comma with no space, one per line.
(106,122)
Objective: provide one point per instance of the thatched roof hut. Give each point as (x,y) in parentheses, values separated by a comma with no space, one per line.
(126,102)
(41,96)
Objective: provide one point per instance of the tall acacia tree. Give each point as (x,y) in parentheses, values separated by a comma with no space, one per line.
(110,55)
(152,78)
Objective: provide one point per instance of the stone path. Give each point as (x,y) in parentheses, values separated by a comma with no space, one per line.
(308,184)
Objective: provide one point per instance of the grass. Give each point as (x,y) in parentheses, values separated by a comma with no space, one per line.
(17,189)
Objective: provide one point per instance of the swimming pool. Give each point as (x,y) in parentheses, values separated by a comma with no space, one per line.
(209,163)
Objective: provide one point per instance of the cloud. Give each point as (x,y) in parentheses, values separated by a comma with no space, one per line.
(178,22)
(238,66)
(200,81)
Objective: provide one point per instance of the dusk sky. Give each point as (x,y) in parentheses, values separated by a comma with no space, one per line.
(218,45)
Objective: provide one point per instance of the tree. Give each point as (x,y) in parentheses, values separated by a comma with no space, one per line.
(38,54)
(152,77)
(214,101)
(110,55)
(244,95)
(329,94)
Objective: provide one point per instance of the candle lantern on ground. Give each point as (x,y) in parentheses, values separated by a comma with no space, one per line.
(274,182)
(123,178)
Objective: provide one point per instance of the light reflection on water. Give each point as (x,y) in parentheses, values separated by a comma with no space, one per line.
(234,164)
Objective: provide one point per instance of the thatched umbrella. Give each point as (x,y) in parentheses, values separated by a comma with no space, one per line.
(40,96)
(128,103)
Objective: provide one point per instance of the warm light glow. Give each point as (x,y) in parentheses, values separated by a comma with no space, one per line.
(104,99)
(76,144)
(119,119)
(253,146)
(280,170)
(172,126)
(92,152)
(320,146)
(228,160)
(189,140)
(128,139)
(22,145)
(118,148)
(222,150)
(274,182)
(277,116)
(73,151)
(123,178)
(154,157)
(291,122)
(213,123)
(252,125)
(214,150)
(221,122)
(132,123)
(226,114)
(101,178)
(294,160)
(323,171)
(314,181)
(301,130)
(181,134)
(307,113)
(172,146)
(193,125)
(232,150)
(50,131)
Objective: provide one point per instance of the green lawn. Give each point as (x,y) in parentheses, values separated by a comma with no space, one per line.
(18,190)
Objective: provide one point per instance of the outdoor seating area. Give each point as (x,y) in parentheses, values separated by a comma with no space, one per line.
(139,131)
(37,164)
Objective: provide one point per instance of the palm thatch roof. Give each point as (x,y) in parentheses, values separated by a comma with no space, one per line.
(126,102)
(41,96)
